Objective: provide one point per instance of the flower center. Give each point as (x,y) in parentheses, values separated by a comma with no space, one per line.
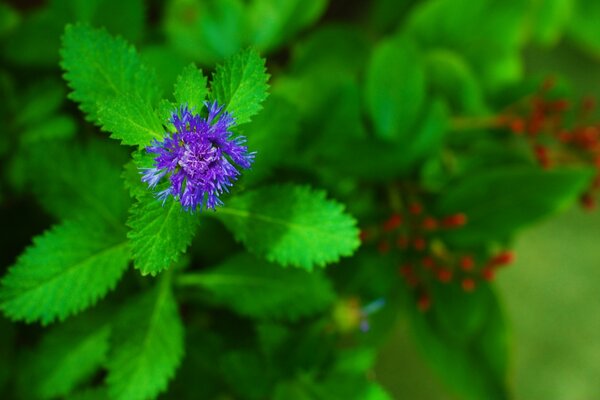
(197,160)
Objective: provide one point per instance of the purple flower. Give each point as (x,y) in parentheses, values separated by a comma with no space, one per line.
(199,159)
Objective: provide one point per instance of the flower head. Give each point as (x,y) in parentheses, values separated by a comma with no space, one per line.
(199,159)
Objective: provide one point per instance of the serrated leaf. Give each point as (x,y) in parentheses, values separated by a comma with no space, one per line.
(130,120)
(259,289)
(159,234)
(148,346)
(190,88)
(395,88)
(241,85)
(65,271)
(67,356)
(99,67)
(291,225)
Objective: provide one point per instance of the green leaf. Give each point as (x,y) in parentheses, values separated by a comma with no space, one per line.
(100,393)
(67,356)
(241,85)
(166,61)
(190,88)
(148,346)
(291,225)
(500,202)
(130,120)
(450,76)
(258,289)
(453,25)
(548,20)
(395,88)
(265,136)
(206,31)
(65,271)
(85,181)
(9,19)
(274,22)
(99,67)
(159,234)
(381,161)
(582,28)
(464,339)
(246,373)
(41,101)
(37,40)
(60,127)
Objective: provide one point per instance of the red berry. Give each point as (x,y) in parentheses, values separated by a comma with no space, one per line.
(444,275)
(429,224)
(541,153)
(588,104)
(402,242)
(468,284)
(383,247)
(587,201)
(517,126)
(504,258)
(419,244)
(363,235)
(565,136)
(406,270)
(488,273)
(467,263)
(559,105)
(454,221)
(428,262)
(392,223)
(424,303)
(415,208)
(549,83)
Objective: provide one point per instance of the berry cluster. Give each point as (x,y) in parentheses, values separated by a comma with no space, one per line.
(558,133)
(416,238)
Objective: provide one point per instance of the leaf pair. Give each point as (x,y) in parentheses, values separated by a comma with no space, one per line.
(140,349)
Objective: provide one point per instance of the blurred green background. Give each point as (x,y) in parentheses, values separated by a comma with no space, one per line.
(551,302)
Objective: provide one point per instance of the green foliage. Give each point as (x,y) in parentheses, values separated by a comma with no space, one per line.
(190,87)
(582,28)
(291,225)
(492,47)
(101,68)
(207,31)
(258,289)
(431,124)
(500,202)
(241,85)
(211,31)
(147,345)
(57,276)
(465,339)
(130,120)
(68,356)
(86,181)
(549,20)
(395,89)
(273,22)
(159,233)
(37,39)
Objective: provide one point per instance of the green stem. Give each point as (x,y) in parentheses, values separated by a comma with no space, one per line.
(473,123)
